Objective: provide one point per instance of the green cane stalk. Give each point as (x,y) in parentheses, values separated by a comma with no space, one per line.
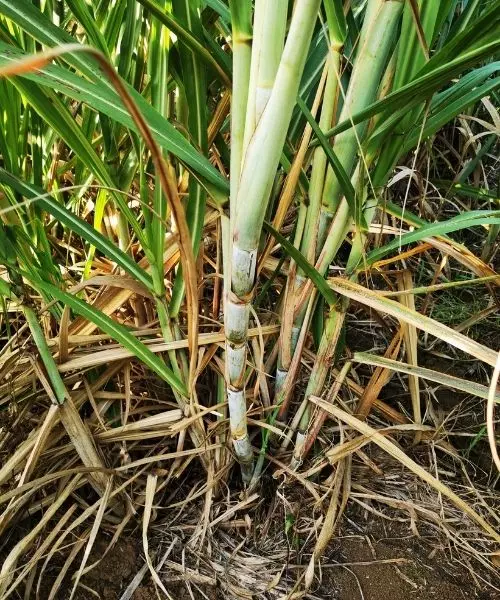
(375,43)
(241,20)
(308,242)
(267,49)
(334,220)
(259,166)
(329,343)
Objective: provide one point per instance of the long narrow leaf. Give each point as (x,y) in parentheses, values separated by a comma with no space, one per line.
(442,68)
(105,99)
(117,331)
(469,387)
(51,108)
(187,37)
(462,221)
(79,226)
(372,299)
(309,270)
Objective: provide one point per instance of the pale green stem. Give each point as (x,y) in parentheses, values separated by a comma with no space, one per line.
(242,53)
(333,222)
(319,161)
(308,240)
(339,228)
(284,364)
(329,342)
(376,40)
(289,334)
(258,171)
(322,366)
(265,148)
(381,19)
(268,41)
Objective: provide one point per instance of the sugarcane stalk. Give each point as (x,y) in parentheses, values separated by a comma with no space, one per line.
(328,345)
(241,15)
(308,241)
(258,170)
(267,48)
(375,42)
(334,220)
(284,396)
(329,218)
(303,289)
(308,433)
(319,162)
(289,333)
(322,365)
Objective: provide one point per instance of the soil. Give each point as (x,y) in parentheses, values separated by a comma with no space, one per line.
(388,564)
(418,576)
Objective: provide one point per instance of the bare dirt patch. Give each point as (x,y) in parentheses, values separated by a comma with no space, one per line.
(388,563)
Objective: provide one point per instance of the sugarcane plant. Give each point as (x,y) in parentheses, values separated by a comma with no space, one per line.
(347,181)
(273,85)
(278,125)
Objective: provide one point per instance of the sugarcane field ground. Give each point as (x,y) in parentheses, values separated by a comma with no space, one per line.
(249,299)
